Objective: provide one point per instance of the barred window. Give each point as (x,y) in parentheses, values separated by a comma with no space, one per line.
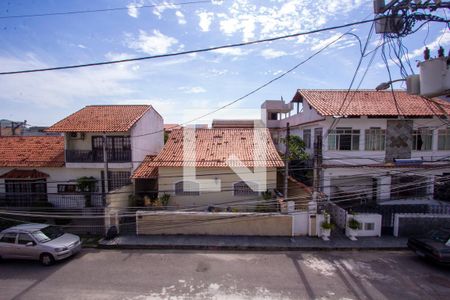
(307,138)
(117,179)
(242,189)
(68,188)
(375,139)
(344,138)
(422,139)
(444,139)
(187,188)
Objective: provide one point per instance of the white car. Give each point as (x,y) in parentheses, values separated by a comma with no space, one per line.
(41,242)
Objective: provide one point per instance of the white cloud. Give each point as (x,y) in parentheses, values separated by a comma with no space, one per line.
(272,53)
(233,51)
(206,19)
(64,87)
(153,44)
(161,7)
(81,46)
(192,90)
(180,17)
(133,8)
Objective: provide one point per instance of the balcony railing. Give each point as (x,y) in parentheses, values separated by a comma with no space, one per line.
(92,156)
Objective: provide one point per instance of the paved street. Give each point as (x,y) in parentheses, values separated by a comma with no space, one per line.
(140,274)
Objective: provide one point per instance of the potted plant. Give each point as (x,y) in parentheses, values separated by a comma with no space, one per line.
(326,227)
(353,226)
(164,199)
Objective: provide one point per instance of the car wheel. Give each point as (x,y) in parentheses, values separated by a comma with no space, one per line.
(46,259)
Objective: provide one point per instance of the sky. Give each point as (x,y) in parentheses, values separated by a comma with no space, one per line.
(184,87)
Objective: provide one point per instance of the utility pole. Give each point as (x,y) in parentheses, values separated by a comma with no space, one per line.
(286,161)
(105,161)
(317,166)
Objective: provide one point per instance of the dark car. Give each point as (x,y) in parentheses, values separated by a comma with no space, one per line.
(435,245)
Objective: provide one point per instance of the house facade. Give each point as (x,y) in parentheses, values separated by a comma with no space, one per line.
(208,153)
(376,146)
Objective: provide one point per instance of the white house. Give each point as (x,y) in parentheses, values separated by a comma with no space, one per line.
(377,146)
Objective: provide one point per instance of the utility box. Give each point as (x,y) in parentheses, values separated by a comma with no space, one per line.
(389,24)
(413,84)
(434,77)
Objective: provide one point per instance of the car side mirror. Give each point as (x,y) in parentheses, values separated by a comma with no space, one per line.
(29,244)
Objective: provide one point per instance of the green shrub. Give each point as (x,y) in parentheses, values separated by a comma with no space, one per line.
(353,224)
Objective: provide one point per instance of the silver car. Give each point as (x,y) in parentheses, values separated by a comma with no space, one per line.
(41,242)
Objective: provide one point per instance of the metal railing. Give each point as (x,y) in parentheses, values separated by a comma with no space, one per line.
(64,201)
(87,156)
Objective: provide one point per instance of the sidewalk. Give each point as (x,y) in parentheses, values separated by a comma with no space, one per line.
(196,242)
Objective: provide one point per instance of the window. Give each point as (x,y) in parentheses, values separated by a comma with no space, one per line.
(24,192)
(242,189)
(422,139)
(9,238)
(369,226)
(118,148)
(375,139)
(117,179)
(444,139)
(187,188)
(344,138)
(307,138)
(408,187)
(68,188)
(24,239)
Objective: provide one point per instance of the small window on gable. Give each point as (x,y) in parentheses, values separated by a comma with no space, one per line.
(187,188)
(243,189)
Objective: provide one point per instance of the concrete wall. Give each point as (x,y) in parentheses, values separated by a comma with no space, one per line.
(367,220)
(202,223)
(147,136)
(169,176)
(119,198)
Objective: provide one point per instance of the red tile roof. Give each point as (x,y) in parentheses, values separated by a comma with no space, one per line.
(101,118)
(32,151)
(24,174)
(371,103)
(145,170)
(215,146)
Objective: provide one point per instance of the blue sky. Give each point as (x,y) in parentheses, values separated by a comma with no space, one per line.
(185,86)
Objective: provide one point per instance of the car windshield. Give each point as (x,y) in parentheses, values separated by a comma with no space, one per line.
(440,236)
(47,234)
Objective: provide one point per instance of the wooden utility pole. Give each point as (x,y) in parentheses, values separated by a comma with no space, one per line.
(286,161)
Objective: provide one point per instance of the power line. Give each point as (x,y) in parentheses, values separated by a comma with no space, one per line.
(75,12)
(189,51)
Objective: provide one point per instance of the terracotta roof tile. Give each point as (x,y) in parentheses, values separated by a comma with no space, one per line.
(101,118)
(145,170)
(24,174)
(32,151)
(371,103)
(215,146)
(170,127)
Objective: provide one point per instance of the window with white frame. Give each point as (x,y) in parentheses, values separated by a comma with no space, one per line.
(187,188)
(375,139)
(343,138)
(307,138)
(422,139)
(444,139)
(243,189)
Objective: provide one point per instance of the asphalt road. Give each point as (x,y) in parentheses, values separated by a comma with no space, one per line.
(140,274)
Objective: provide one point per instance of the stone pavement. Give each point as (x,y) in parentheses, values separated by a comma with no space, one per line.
(337,242)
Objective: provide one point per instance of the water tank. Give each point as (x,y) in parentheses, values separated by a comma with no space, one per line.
(434,77)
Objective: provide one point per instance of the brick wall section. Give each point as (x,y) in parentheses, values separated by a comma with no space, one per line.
(398,139)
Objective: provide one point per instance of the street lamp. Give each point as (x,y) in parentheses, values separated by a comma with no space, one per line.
(386,85)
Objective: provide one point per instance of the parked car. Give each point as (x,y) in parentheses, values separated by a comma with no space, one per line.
(41,242)
(435,245)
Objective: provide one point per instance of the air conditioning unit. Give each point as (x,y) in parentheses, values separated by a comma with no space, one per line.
(77,135)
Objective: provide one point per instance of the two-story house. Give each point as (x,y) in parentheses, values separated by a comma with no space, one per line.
(377,146)
(110,139)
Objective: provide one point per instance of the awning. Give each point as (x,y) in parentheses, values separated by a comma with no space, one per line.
(24,174)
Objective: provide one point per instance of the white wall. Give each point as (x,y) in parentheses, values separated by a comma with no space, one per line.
(147,136)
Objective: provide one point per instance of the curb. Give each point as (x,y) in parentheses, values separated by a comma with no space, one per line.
(246,248)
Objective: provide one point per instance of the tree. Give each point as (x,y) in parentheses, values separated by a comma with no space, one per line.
(296,148)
